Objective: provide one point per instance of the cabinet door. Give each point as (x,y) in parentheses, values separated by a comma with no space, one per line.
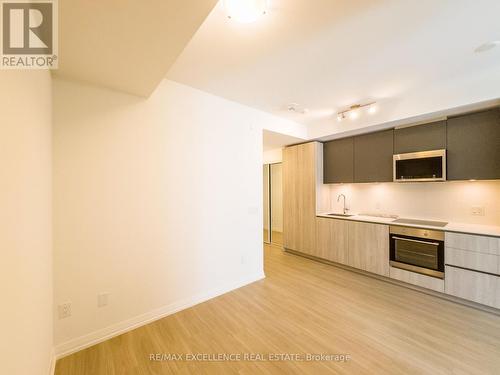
(473,286)
(290,204)
(299,196)
(373,157)
(473,146)
(331,239)
(338,161)
(369,247)
(424,137)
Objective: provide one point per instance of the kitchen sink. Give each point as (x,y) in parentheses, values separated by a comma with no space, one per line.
(341,215)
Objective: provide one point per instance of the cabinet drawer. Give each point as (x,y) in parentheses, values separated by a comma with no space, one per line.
(417,279)
(478,244)
(473,286)
(474,261)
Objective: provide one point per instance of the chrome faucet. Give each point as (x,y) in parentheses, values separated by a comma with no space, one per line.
(345,209)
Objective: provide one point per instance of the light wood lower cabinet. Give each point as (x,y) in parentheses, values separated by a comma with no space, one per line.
(417,279)
(473,286)
(472,260)
(331,240)
(368,246)
(473,243)
(473,268)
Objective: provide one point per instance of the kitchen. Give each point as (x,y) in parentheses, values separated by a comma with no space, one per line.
(135,202)
(417,205)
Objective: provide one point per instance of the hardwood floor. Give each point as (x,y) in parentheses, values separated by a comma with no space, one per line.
(276,237)
(305,306)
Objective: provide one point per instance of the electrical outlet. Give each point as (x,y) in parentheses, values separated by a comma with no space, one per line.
(477,210)
(64,310)
(102,299)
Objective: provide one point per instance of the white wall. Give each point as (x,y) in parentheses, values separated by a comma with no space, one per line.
(273,156)
(157,201)
(25,223)
(450,201)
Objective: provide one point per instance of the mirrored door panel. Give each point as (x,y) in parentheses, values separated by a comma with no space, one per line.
(276,204)
(267,206)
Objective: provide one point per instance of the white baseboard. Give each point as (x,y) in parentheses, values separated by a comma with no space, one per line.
(85,341)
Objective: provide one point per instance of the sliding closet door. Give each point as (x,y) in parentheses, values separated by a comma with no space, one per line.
(267,207)
(276,204)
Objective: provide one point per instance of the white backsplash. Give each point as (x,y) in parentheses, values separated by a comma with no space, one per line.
(449,201)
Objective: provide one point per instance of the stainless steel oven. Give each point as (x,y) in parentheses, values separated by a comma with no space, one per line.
(420,166)
(417,250)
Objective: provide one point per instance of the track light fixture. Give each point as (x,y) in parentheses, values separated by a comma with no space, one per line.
(354,111)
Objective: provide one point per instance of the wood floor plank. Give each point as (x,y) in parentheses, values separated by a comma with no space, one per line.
(305,306)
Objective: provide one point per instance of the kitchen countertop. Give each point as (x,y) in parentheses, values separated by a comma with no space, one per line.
(484,230)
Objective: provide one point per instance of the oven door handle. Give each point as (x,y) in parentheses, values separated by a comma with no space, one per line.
(417,253)
(418,241)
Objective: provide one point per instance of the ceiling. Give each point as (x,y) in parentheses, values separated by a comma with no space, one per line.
(273,140)
(126,45)
(329,54)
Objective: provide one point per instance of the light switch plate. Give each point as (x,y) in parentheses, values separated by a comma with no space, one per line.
(477,210)
(102,299)
(64,310)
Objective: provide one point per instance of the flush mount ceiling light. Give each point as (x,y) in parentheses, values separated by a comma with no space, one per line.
(487,46)
(245,11)
(355,109)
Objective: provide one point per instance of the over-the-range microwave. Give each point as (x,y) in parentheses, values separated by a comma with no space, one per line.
(420,166)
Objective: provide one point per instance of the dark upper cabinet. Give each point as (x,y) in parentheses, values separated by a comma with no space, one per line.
(425,137)
(338,161)
(373,157)
(473,146)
